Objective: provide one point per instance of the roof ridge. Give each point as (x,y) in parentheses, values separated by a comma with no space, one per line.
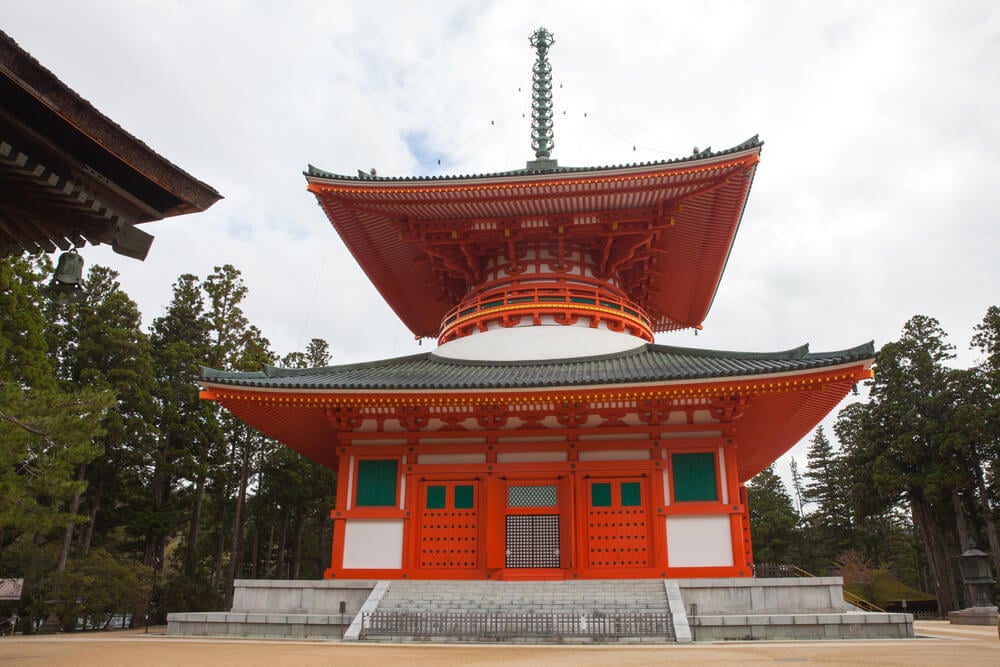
(271,371)
(798,352)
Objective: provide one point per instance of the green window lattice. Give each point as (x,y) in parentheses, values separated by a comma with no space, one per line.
(631,494)
(377,483)
(694,476)
(600,494)
(436,497)
(463,497)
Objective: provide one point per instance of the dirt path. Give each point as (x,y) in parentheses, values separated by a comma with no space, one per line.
(940,644)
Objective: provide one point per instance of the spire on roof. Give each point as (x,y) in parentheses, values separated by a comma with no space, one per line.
(541,101)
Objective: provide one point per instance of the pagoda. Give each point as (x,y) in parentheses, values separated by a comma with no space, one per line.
(547,436)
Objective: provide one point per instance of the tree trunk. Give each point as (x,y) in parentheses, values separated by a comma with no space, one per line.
(293,566)
(269,554)
(279,567)
(236,555)
(960,525)
(924,521)
(88,531)
(322,557)
(159,488)
(191,555)
(254,549)
(220,543)
(74,507)
(983,498)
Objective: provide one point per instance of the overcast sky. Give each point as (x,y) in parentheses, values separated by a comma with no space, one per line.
(876,198)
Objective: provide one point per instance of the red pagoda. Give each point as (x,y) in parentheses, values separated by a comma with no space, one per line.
(548,436)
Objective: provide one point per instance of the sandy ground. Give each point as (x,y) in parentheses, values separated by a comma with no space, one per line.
(938,644)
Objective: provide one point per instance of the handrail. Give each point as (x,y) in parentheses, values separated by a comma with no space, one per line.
(547,295)
(780,570)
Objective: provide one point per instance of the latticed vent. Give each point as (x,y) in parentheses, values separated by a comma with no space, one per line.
(532,496)
(533,540)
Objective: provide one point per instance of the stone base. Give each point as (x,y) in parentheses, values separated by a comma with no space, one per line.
(281,609)
(974,616)
(782,608)
(702,609)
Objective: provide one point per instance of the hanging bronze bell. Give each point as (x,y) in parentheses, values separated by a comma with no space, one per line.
(69,270)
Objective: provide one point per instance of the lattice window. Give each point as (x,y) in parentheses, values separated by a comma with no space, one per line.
(464,496)
(694,476)
(532,540)
(436,496)
(631,494)
(532,496)
(377,483)
(600,494)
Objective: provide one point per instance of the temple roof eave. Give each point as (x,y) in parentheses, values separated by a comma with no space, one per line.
(315,174)
(649,364)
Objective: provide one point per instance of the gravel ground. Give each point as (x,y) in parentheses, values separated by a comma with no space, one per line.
(938,644)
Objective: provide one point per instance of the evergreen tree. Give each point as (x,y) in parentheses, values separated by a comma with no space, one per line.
(901,442)
(829,522)
(48,430)
(773,519)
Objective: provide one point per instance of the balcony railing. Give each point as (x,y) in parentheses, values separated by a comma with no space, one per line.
(566,299)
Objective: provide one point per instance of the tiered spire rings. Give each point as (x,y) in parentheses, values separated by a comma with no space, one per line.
(542,136)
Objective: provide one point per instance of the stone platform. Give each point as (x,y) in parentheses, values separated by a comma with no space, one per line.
(974,616)
(652,610)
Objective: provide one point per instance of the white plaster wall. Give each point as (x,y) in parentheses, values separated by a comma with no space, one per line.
(615,455)
(451,458)
(699,541)
(531,343)
(373,544)
(530,457)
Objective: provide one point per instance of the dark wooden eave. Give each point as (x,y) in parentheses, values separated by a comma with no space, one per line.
(69,175)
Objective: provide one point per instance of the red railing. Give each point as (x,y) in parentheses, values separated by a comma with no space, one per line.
(597,301)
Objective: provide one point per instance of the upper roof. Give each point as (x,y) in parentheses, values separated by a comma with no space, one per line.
(647,363)
(70,175)
(667,226)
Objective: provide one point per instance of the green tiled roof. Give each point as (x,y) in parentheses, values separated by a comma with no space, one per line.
(649,363)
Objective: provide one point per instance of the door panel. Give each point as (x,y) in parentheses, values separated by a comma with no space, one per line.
(449,525)
(618,530)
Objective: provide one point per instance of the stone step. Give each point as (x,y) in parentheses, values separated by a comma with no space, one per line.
(586,596)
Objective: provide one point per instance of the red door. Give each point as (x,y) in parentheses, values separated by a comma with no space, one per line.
(449,525)
(618,527)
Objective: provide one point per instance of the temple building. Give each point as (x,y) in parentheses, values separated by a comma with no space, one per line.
(69,175)
(548,436)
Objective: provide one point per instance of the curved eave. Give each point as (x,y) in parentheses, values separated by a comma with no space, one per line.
(781,407)
(703,196)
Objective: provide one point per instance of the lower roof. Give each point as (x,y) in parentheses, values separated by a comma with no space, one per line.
(785,394)
(647,363)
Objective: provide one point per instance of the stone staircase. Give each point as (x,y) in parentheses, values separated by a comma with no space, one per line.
(576,611)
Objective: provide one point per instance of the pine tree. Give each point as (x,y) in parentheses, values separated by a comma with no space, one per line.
(829,522)
(773,519)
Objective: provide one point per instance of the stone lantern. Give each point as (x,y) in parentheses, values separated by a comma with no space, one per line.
(978,580)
